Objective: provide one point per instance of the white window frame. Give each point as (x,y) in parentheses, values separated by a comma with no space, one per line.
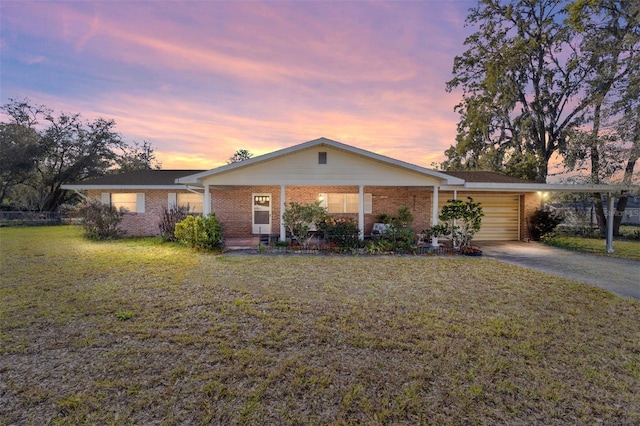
(194,207)
(137,207)
(368,202)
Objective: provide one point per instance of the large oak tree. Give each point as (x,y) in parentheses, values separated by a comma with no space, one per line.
(521,82)
(40,151)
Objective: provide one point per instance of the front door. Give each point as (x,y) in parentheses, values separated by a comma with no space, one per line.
(261,214)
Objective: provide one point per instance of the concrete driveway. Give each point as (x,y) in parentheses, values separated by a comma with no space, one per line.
(619,276)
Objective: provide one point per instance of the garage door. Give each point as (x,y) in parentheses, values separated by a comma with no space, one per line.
(501,221)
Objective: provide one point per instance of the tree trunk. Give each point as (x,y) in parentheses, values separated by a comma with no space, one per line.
(628,175)
(601,218)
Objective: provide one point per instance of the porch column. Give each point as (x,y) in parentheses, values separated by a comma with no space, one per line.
(361,212)
(434,214)
(206,205)
(610,216)
(283,230)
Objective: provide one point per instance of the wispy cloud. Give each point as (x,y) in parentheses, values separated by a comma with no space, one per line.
(200,80)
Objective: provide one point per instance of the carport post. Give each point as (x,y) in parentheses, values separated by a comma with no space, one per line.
(206,207)
(610,217)
(283,230)
(434,214)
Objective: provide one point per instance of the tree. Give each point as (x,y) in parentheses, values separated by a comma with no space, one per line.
(41,151)
(239,155)
(520,79)
(610,42)
(462,219)
(19,149)
(137,157)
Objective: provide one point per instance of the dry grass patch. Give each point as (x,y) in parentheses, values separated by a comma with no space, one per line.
(140,332)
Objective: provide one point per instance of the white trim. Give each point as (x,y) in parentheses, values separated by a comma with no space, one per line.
(434,214)
(321,142)
(172,199)
(361,212)
(534,187)
(283,229)
(140,205)
(261,229)
(206,203)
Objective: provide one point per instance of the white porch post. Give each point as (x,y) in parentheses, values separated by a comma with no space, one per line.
(283,231)
(610,216)
(434,214)
(206,205)
(361,211)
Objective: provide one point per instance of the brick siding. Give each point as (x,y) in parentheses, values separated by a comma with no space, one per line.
(233,207)
(529,202)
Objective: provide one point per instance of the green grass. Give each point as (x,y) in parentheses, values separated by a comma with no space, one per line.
(140,332)
(623,248)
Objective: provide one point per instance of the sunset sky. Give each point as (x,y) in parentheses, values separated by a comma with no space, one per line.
(202,79)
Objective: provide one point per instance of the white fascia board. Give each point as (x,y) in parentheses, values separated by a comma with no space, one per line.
(537,187)
(197,178)
(79,187)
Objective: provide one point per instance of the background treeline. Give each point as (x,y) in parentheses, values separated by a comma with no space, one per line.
(40,151)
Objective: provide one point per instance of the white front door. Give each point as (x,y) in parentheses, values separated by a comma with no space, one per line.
(261,213)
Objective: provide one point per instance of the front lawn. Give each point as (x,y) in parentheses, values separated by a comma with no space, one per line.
(623,248)
(140,332)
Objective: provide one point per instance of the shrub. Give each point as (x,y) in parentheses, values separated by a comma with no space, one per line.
(543,222)
(298,218)
(462,219)
(345,234)
(168,220)
(100,221)
(200,232)
(399,235)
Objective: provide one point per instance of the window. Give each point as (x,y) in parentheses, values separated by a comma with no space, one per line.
(125,201)
(191,200)
(322,158)
(344,203)
(130,201)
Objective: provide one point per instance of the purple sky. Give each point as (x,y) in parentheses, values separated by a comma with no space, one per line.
(202,79)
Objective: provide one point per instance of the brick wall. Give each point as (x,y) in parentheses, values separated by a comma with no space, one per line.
(142,224)
(234,207)
(529,202)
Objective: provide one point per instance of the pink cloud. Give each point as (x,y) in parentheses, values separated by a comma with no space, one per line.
(200,80)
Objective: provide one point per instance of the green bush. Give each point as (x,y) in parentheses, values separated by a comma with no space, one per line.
(399,236)
(100,221)
(403,239)
(344,234)
(543,222)
(200,232)
(298,219)
(462,219)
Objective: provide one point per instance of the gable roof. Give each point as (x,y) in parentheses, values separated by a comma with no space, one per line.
(410,174)
(198,178)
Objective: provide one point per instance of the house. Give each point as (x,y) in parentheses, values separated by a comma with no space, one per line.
(249,197)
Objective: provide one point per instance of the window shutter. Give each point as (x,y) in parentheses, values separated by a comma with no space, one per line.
(323,200)
(172,200)
(106,198)
(368,203)
(140,202)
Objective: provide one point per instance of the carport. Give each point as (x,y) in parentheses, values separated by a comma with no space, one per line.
(500,199)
